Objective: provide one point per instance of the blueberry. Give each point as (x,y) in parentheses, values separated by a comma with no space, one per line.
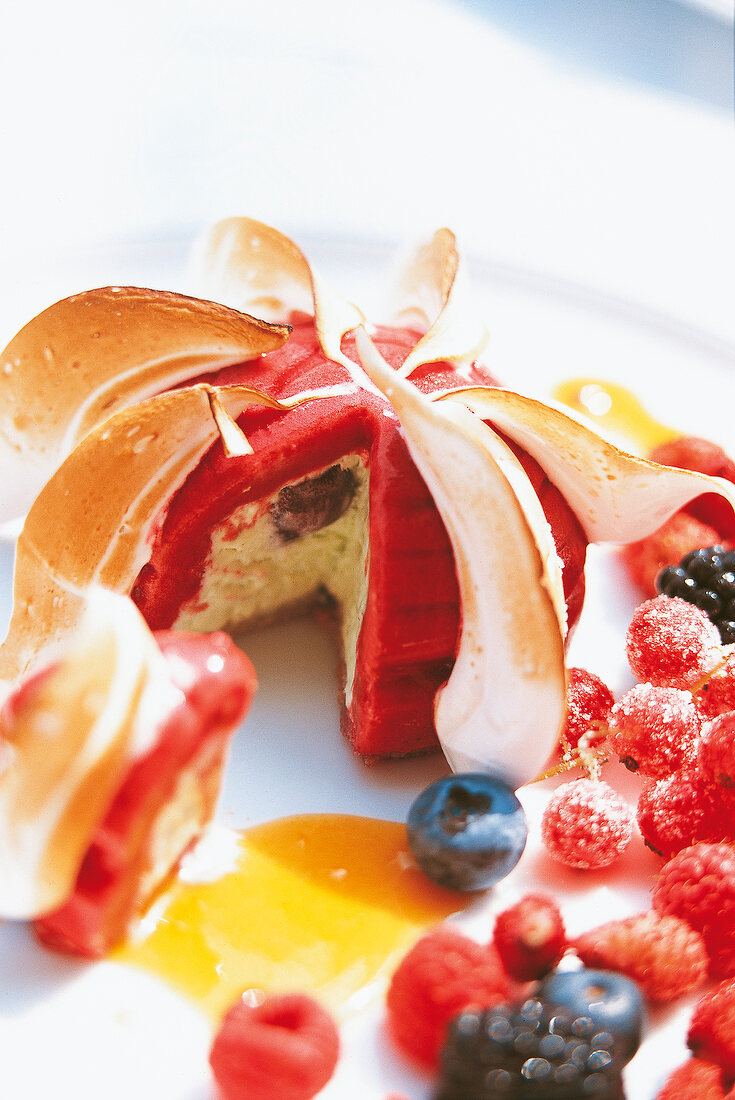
(467,831)
(613,1002)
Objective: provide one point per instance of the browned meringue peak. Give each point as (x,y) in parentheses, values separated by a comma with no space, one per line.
(82,359)
(68,740)
(91,522)
(252,266)
(504,703)
(616,496)
(431,294)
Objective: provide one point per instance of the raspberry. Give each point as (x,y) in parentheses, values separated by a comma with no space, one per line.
(530,937)
(716,756)
(718,695)
(681,533)
(588,705)
(698,885)
(712,1028)
(683,809)
(286,1047)
(693,453)
(672,643)
(443,973)
(654,730)
(693,1079)
(662,954)
(586,825)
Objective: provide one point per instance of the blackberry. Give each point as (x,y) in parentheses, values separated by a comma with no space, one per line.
(705,578)
(529,1051)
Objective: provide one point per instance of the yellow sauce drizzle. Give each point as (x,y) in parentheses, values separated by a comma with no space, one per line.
(615,409)
(323,904)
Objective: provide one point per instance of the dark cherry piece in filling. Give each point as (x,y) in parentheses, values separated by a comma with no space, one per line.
(314,503)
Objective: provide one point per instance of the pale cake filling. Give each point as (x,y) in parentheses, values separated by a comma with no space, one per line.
(286,553)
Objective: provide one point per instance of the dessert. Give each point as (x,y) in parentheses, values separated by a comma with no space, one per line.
(502,705)
(358,474)
(116,750)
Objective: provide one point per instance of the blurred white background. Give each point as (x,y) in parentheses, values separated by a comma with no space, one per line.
(587,139)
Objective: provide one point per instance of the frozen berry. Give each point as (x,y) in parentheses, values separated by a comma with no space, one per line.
(705,578)
(530,937)
(644,560)
(712,1028)
(663,955)
(671,643)
(588,705)
(467,831)
(612,1001)
(682,809)
(693,453)
(698,885)
(716,756)
(694,1079)
(443,973)
(654,730)
(586,825)
(717,695)
(287,1046)
(526,1051)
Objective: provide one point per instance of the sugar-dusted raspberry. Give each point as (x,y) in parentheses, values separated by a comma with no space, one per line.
(588,705)
(672,643)
(654,730)
(586,824)
(442,974)
(717,695)
(287,1046)
(644,560)
(682,809)
(712,1028)
(663,955)
(694,1079)
(698,885)
(530,937)
(693,453)
(716,754)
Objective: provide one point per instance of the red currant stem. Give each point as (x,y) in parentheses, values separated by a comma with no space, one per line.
(584,756)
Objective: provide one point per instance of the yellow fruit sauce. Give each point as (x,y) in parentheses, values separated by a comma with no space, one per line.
(615,409)
(322,903)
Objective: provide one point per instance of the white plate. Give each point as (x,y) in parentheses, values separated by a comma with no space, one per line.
(113,1032)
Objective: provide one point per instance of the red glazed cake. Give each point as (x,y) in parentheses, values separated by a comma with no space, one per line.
(330,512)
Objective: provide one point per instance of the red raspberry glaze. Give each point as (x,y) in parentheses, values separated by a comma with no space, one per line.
(217,683)
(410,627)
(283,1049)
(442,974)
(672,643)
